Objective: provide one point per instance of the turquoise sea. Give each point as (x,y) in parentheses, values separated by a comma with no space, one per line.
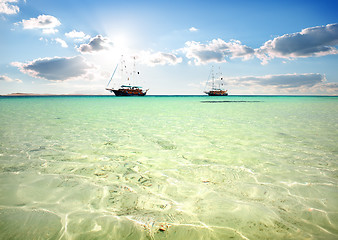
(169,167)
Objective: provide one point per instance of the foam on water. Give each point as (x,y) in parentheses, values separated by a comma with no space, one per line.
(168,168)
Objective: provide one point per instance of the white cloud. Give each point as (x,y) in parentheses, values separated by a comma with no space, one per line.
(8,79)
(43,39)
(57,68)
(193,29)
(158,58)
(284,83)
(62,42)
(47,23)
(77,36)
(331,88)
(216,51)
(7,7)
(50,30)
(96,44)
(310,42)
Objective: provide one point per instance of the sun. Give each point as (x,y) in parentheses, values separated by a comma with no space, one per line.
(121,42)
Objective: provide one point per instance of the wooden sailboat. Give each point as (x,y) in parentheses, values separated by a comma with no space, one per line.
(216,85)
(127,89)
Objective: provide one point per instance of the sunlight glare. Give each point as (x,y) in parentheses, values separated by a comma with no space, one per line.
(120,42)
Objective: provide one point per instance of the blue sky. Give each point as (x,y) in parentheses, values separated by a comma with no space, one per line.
(260,47)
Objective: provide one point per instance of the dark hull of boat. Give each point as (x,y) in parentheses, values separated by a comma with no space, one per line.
(128,92)
(217,93)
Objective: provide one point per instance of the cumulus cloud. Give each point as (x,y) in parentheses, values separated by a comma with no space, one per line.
(284,83)
(159,58)
(50,31)
(56,69)
(331,88)
(193,29)
(315,41)
(47,23)
(310,42)
(8,79)
(216,51)
(7,7)
(96,44)
(62,42)
(77,36)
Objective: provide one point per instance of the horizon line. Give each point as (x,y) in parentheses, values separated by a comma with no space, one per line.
(158,95)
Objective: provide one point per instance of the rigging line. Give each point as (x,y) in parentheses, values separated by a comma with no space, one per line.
(112,75)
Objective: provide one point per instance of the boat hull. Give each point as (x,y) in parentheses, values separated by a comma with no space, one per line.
(217,93)
(129,92)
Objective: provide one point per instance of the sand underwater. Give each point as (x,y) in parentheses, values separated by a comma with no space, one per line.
(193,167)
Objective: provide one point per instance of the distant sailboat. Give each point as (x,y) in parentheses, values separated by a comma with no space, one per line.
(216,88)
(127,89)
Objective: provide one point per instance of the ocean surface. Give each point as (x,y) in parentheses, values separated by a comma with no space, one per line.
(194,167)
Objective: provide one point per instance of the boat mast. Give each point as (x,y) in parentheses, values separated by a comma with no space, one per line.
(134,69)
(212,78)
(124,69)
(220,78)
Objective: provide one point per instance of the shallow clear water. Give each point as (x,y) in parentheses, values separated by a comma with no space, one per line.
(169,168)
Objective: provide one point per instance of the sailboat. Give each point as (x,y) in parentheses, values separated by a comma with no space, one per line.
(216,85)
(127,89)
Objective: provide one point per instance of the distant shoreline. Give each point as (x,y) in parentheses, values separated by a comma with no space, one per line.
(111,95)
(51,95)
(37,94)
